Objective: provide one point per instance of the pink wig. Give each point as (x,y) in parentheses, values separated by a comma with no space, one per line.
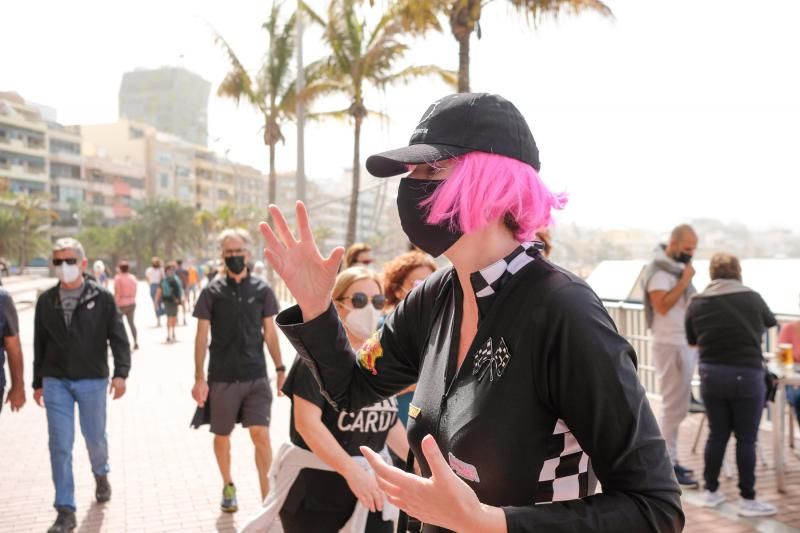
(485,187)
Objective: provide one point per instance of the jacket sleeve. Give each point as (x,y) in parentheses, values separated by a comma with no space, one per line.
(39,340)
(589,379)
(385,365)
(691,333)
(118,340)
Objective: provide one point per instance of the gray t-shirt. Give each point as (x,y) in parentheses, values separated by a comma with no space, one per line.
(69,301)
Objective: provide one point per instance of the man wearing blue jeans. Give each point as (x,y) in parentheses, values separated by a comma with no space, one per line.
(75,323)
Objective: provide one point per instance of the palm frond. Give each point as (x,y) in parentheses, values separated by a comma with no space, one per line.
(536,10)
(419,71)
(342,114)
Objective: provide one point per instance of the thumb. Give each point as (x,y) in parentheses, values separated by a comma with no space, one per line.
(439,467)
(335,258)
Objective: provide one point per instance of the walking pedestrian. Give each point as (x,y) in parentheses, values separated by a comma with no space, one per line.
(170,295)
(154,274)
(727,321)
(238,309)
(125,286)
(191,288)
(75,324)
(183,275)
(11,347)
(526,394)
(100,275)
(667,283)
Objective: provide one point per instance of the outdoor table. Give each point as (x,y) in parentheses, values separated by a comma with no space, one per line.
(777,412)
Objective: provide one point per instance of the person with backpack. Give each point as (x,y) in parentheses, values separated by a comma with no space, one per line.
(170,294)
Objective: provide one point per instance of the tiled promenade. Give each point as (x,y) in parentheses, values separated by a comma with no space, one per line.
(164,475)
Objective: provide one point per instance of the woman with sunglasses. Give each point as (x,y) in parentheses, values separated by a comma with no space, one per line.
(526,394)
(324,500)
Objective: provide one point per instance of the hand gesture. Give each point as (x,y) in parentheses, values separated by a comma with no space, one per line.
(688,273)
(444,500)
(364,485)
(308,275)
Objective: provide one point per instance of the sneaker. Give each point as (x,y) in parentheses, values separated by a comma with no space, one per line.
(65,521)
(103,489)
(712,499)
(683,470)
(685,480)
(229,504)
(756,508)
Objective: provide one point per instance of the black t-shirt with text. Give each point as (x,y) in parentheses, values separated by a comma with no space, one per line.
(366,427)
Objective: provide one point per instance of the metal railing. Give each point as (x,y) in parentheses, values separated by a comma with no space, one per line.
(631,323)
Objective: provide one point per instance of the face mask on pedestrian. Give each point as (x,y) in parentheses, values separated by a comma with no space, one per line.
(362,322)
(235,264)
(683,257)
(67,273)
(433,239)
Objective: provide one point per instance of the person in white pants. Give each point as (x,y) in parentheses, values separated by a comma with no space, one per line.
(668,284)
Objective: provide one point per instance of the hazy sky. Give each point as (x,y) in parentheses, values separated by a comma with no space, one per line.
(673,110)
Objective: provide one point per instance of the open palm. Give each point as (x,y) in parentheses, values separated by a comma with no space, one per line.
(308,276)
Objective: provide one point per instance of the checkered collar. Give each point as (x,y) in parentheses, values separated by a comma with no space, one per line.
(489,281)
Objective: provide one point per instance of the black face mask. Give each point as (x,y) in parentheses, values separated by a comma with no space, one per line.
(235,264)
(434,239)
(684,258)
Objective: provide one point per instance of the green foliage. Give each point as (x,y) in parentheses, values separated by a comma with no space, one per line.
(24,225)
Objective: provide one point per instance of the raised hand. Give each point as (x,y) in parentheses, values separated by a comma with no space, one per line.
(308,275)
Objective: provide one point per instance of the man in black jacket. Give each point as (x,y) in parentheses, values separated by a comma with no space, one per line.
(75,323)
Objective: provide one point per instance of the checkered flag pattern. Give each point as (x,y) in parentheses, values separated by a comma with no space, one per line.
(489,280)
(565,472)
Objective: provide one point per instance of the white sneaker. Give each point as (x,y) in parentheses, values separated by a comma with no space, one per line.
(712,499)
(756,508)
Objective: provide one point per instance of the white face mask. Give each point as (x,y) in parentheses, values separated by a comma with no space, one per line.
(362,322)
(67,273)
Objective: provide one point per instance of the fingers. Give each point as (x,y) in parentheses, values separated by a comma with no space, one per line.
(303,225)
(383,471)
(436,462)
(282,227)
(335,258)
(269,236)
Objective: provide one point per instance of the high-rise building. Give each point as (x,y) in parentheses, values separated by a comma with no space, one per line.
(23,146)
(172,99)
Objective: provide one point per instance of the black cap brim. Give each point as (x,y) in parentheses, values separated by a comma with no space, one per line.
(393,162)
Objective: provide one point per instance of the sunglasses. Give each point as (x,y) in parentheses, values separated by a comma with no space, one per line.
(68,260)
(360,300)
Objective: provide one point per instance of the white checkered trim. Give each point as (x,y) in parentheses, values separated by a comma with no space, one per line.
(566,471)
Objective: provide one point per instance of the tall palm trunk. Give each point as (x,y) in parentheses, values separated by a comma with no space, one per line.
(272,186)
(463,62)
(353,216)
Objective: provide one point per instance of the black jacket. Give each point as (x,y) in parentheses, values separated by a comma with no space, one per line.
(79,351)
(524,416)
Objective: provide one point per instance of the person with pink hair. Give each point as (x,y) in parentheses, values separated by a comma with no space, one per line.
(526,394)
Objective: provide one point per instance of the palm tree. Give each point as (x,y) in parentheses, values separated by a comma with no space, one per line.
(360,56)
(271,90)
(29,219)
(464,16)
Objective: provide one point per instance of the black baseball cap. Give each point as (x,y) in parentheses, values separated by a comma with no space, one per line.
(458,124)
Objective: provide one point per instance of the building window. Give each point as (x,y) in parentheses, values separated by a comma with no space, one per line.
(63,147)
(135,133)
(59,170)
(164,177)
(70,194)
